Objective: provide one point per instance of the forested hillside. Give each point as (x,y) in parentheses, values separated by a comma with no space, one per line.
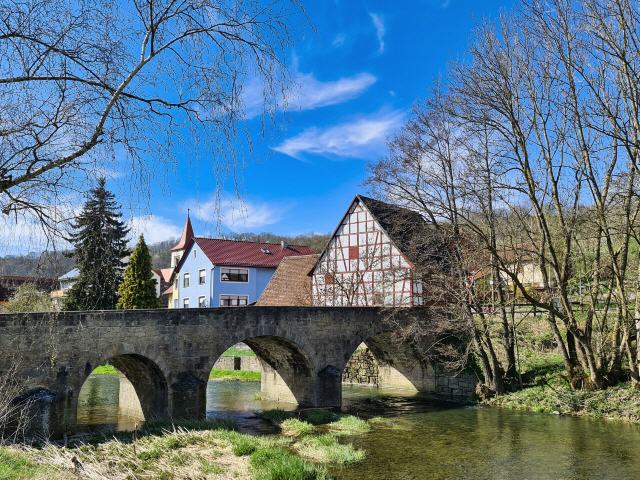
(54,264)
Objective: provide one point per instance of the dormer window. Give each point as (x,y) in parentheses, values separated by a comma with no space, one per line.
(265,250)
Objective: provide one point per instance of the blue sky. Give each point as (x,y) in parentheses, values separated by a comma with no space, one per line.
(359,66)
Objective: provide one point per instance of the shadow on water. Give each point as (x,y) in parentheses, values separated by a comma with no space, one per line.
(428,439)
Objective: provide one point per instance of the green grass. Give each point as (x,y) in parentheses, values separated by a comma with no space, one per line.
(234,375)
(548,391)
(193,450)
(295,428)
(105,370)
(277,416)
(349,425)
(319,416)
(276,463)
(238,352)
(17,466)
(327,449)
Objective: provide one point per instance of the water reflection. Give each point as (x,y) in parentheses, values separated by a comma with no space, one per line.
(429,440)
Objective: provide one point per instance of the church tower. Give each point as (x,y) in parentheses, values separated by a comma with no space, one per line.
(185,242)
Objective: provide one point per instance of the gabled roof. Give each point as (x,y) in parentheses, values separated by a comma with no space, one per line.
(290,285)
(236,253)
(416,239)
(186,237)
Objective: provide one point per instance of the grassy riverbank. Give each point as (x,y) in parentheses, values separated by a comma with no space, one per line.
(202,450)
(547,391)
(234,375)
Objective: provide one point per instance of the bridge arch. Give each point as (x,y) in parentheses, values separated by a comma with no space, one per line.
(381,359)
(286,369)
(145,376)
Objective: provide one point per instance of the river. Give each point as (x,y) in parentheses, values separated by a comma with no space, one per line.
(428,440)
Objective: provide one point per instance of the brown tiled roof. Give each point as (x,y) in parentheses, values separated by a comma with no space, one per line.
(186,238)
(290,285)
(416,238)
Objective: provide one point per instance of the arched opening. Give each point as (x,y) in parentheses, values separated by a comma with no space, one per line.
(122,394)
(383,366)
(260,373)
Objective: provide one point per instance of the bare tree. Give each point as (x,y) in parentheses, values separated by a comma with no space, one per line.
(531,156)
(81,82)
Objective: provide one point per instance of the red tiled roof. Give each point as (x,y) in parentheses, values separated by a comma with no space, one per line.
(248,254)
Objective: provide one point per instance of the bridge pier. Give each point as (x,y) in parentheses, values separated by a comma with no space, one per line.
(189,397)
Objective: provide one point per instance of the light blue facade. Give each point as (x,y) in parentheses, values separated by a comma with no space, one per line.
(213,288)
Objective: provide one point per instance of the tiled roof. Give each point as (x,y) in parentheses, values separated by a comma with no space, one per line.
(248,254)
(185,238)
(417,239)
(290,285)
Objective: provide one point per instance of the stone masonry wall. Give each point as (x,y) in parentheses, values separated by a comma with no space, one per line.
(361,369)
(247,363)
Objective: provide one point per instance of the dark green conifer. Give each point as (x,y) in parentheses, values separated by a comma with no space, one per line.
(138,289)
(100,241)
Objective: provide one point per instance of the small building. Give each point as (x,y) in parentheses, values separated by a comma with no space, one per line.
(290,285)
(376,257)
(214,272)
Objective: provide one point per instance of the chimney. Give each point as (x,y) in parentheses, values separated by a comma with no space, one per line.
(282,245)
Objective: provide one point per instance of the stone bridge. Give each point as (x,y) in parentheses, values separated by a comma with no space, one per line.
(168,355)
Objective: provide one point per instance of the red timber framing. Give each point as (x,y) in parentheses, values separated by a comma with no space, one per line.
(361,266)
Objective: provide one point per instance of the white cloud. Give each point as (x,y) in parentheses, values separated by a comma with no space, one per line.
(339,40)
(309,93)
(154,228)
(236,214)
(361,138)
(378,24)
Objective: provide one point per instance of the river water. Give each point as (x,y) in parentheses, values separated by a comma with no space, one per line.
(428,440)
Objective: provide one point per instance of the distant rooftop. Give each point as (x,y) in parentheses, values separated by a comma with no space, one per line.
(248,254)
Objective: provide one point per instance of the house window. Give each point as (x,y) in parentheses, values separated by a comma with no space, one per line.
(329,278)
(185,280)
(354,253)
(234,275)
(233,300)
(175,281)
(185,303)
(201,277)
(202,302)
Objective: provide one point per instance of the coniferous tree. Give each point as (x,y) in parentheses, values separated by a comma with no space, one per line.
(100,241)
(138,289)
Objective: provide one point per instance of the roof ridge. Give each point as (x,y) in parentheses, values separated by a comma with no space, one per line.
(251,241)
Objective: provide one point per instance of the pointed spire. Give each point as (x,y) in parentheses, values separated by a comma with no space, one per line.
(187,235)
